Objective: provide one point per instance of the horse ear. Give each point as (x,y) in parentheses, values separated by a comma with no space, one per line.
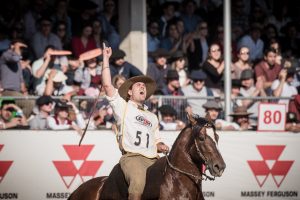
(191,118)
(208,117)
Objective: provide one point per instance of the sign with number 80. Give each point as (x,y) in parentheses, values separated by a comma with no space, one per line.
(271,117)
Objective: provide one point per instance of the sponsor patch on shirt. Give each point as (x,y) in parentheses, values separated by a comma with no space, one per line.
(143,121)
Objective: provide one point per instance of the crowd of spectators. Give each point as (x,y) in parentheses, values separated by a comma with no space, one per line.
(43,48)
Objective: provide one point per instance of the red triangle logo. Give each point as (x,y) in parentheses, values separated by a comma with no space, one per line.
(4,167)
(260,170)
(66,170)
(270,152)
(280,170)
(76,152)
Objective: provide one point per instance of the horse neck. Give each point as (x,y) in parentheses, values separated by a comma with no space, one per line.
(179,155)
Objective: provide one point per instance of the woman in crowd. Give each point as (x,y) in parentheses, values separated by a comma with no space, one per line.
(242,63)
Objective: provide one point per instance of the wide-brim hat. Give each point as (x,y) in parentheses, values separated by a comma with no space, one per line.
(43,100)
(118,54)
(167,110)
(160,53)
(149,82)
(90,54)
(59,77)
(177,55)
(240,111)
(212,104)
(198,75)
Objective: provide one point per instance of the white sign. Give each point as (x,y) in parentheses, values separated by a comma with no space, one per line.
(49,165)
(271,117)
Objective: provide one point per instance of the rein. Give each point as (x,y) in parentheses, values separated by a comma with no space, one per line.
(203,176)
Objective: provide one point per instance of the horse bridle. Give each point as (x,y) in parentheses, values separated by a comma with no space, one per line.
(203,176)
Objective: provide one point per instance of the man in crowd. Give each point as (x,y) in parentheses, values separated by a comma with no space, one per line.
(169,120)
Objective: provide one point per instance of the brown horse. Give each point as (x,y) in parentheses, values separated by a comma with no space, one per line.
(178,175)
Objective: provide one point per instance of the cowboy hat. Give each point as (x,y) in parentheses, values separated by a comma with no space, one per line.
(159,53)
(90,54)
(240,111)
(149,82)
(212,104)
(59,76)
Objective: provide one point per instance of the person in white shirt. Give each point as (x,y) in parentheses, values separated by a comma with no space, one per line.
(139,138)
(61,121)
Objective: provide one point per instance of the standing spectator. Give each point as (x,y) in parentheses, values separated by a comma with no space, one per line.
(254,42)
(120,66)
(172,41)
(11,77)
(249,89)
(31,18)
(267,70)
(61,120)
(169,120)
(189,17)
(158,70)
(153,40)
(11,116)
(198,48)
(109,19)
(168,14)
(214,68)
(61,16)
(282,87)
(84,42)
(197,88)
(45,107)
(98,33)
(178,61)
(44,37)
(242,63)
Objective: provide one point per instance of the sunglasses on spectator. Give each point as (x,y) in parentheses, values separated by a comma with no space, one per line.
(48,103)
(197,80)
(46,24)
(245,53)
(215,50)
(203,27)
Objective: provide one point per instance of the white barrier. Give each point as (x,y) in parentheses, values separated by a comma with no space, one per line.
(50,165)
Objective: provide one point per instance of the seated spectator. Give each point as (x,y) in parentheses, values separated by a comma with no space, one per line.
(267,70)
(173,40)
(61,120)
(44,37)
(118,80)
(178,63)
(169,120)
(153,40)
(119,65)
(213,109)
(292,124)
(90,74)
(11,116)
(249,89)
(83,42)
(45,107)
(42,66)
(282,87)
(56,85)
(158,70)
(197,88)
(240,119)
(11,77)
(242,63)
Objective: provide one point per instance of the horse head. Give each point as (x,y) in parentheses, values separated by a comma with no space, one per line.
(203,145)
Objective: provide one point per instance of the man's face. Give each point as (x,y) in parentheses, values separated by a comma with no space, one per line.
(247,83)
(242,120)
(138,92)
(198,84)
(119,62)
(46,27)
(47,107)
(168,118)
(6,112)
(174,83)
(161,61)
(270,58)
(213,113)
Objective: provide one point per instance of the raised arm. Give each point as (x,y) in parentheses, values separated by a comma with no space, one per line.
(106,77)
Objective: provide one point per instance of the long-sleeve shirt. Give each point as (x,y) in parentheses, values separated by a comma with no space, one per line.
(52,123)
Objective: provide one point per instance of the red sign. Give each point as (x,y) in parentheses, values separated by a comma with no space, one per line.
(78,164)
(270,165)
(4,166)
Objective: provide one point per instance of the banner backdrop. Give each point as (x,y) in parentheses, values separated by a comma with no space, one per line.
(50,165)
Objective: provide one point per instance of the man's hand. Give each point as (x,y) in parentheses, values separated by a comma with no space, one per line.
(162,148)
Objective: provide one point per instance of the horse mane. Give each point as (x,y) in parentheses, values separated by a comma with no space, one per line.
(186,136)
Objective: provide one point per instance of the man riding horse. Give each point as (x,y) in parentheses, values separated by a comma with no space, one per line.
(138,128)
